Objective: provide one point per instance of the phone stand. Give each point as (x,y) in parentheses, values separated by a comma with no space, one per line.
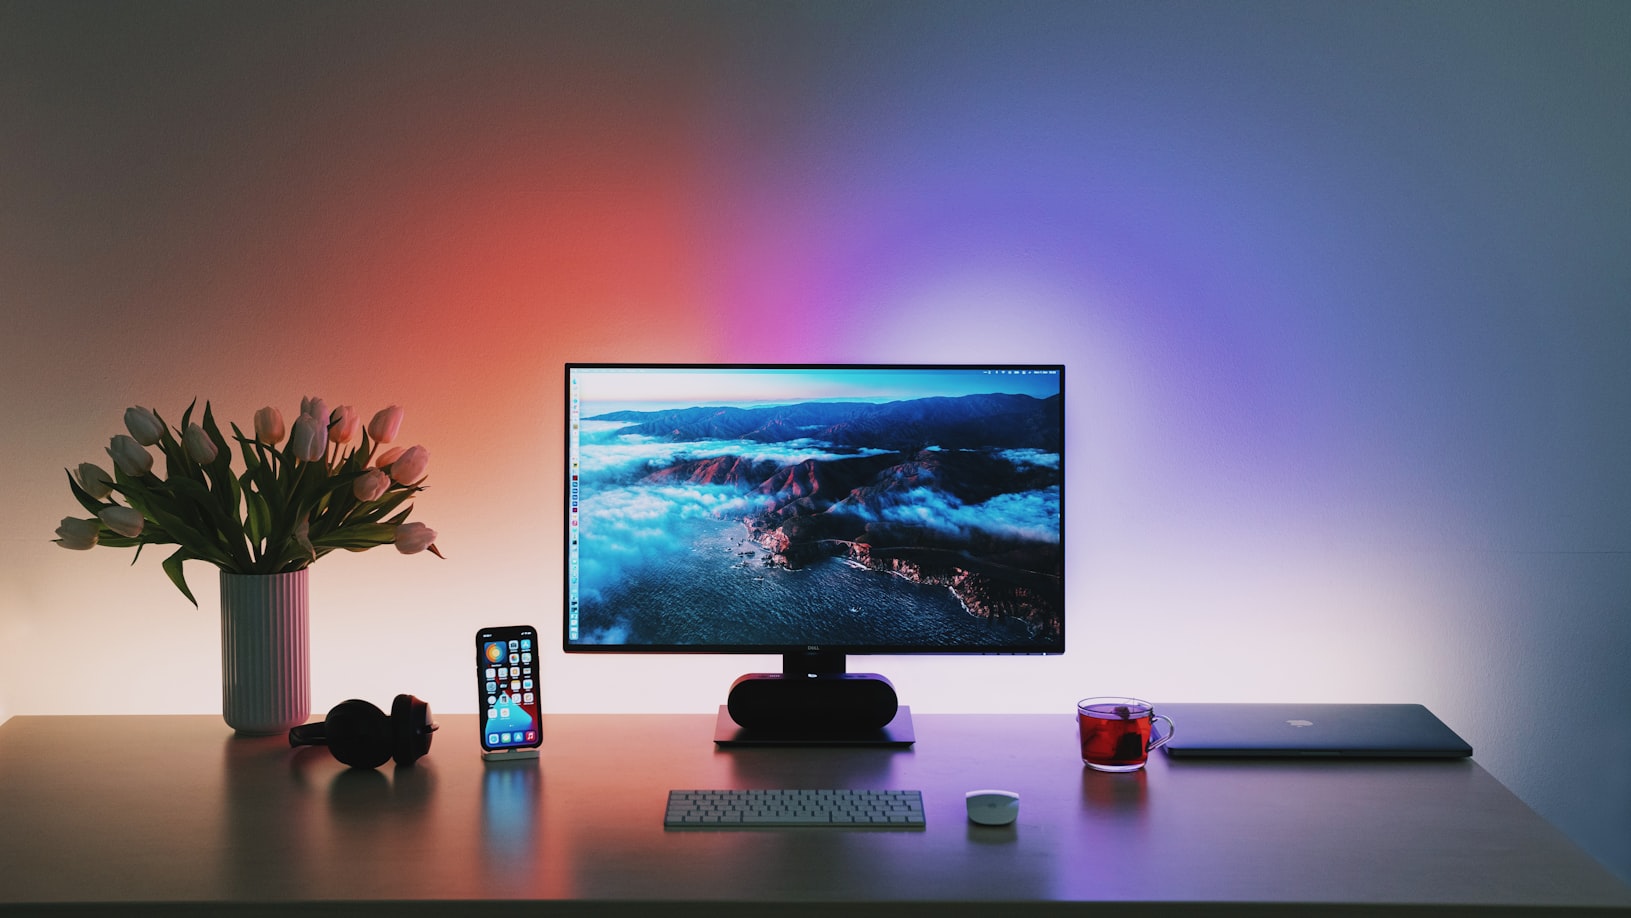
(493,756)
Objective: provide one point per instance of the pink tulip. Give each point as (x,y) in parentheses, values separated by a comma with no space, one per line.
(308,438)
(386,422)
(123,520)
(79,535)
(370,485)
(412,538)
(144,426)
(343,425)
(131,457)
(269,426)
(411,465)
(384,460)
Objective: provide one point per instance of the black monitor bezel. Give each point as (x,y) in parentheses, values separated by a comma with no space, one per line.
(816,657)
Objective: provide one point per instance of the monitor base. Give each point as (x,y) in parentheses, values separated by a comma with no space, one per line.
(897,734)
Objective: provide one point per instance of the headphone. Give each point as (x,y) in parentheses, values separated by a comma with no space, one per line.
(360,735)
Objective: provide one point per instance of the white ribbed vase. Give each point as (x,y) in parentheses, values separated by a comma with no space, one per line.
(265,684)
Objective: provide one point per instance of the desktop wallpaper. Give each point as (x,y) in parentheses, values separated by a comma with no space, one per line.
(1340,288)
(780,508)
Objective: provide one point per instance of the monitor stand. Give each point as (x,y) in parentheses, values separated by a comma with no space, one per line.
(813,702)
(896,734)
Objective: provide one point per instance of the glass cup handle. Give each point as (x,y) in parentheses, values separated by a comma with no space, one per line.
(1162,741)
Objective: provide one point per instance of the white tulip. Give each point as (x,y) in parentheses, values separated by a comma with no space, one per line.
(316,407)
(131,457)
(144,426)
(79,535)
(95,482)
(123,520)
(200,448)
(308,438)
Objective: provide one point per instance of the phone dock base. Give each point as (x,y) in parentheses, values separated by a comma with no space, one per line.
(508,755)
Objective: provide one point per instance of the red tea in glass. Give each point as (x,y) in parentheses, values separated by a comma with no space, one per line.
(1115,732)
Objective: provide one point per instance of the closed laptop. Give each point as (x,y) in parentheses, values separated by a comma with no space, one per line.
(1297,730)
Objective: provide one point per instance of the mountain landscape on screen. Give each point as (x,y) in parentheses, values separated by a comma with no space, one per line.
(909,522)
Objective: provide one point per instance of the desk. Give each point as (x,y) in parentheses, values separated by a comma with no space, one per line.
(176,813)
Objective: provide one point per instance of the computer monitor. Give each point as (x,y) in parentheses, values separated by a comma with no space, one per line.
(815,512)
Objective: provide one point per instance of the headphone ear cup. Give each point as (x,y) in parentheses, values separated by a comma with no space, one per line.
(410,729)
(358,734)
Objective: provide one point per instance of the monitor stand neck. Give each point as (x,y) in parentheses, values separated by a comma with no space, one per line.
(813,663)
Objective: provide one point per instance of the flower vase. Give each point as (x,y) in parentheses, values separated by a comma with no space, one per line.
(265,640)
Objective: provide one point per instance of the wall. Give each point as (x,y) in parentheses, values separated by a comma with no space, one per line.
(1341,289)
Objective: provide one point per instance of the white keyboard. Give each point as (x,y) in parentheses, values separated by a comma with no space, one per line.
(781,807)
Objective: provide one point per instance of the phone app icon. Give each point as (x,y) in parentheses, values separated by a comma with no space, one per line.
(514,646)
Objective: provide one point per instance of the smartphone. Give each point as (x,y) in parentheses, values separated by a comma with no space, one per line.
(507,688)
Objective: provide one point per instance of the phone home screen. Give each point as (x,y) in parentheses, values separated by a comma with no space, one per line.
(506,677)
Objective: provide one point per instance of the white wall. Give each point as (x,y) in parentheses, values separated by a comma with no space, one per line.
(1341,289)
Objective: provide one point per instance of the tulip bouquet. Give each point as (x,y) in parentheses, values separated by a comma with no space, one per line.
(333,484)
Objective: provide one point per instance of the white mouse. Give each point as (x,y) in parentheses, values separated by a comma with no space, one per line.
(992,807)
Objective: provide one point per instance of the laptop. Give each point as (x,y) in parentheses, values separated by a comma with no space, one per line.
(1204,730)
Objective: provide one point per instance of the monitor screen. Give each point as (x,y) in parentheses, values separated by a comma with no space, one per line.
(833,509)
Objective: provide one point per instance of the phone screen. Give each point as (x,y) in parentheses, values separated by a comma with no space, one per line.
(507,687)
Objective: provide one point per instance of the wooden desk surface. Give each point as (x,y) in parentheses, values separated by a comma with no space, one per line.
(176,811)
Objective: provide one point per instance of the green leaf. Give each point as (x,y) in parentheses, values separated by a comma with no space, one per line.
(202,546)
(176,461)
(213,431)
(161,507)
(258,521)
(172,568)
(206,514)
(358,535)
(390,500)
